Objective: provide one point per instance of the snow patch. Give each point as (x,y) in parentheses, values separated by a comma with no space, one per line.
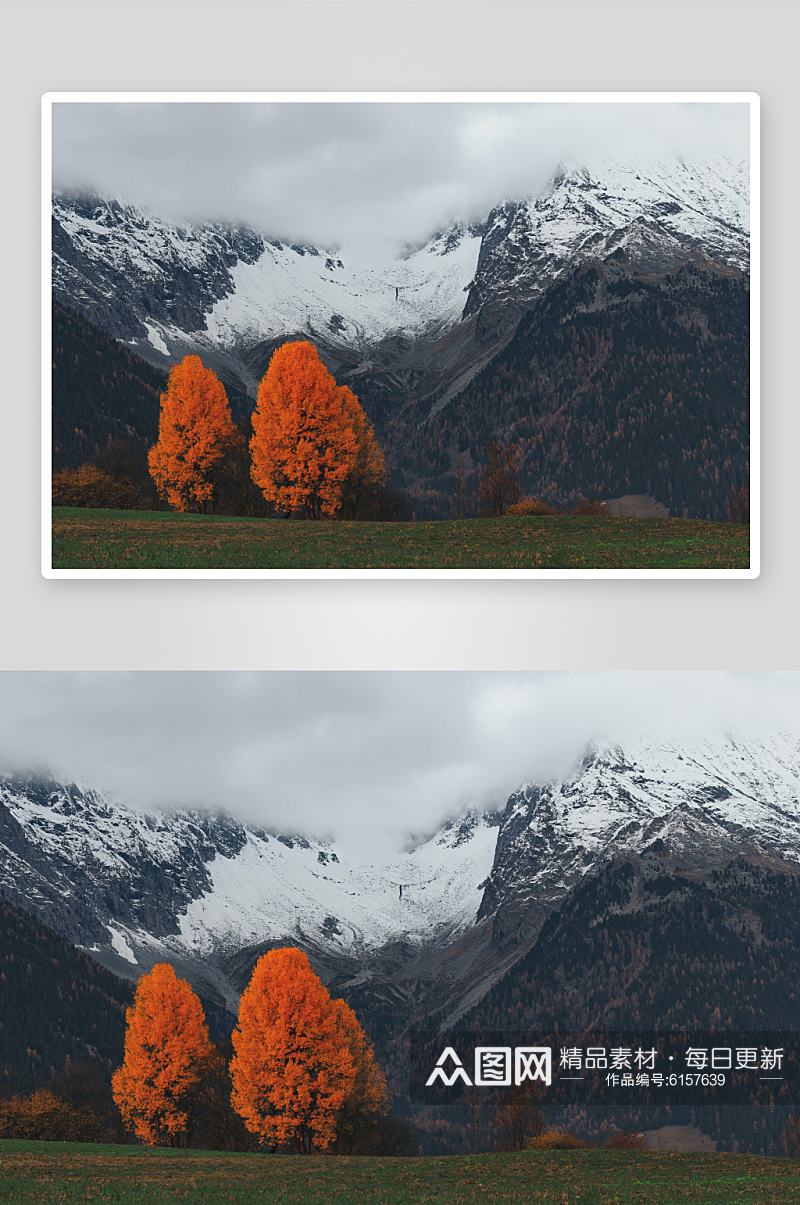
(121,946)
(154,337)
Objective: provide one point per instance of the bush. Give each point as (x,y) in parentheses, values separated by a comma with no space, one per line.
(90,486)
(44,1116)
(532,506)
(590,506)
(625,1140)
(556,1140)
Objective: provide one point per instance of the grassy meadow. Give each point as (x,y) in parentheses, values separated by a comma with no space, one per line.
(43,1173)
(85,538)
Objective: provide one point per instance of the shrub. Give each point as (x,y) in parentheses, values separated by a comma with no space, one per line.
(532,506)
(90,486)
(625,1140)
(43,1116)
(556,1140)
(737,508)
(590,506)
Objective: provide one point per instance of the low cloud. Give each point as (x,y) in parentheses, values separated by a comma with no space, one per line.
(366,177)
(366,758)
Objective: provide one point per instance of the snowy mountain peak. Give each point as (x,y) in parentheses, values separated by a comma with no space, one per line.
(223,290)
(207,892)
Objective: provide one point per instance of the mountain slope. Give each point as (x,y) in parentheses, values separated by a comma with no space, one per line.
(421,324)
(210,893)
(657,214)
(101,391)
(134,887)
(55,1002)
(616,382)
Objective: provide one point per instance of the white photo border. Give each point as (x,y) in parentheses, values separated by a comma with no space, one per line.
(749,98)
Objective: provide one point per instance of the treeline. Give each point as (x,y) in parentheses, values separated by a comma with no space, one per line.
(610,386)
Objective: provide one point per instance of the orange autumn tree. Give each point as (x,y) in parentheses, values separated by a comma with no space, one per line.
(368,1098)
(292,1069)
(166,1050)
(308,435)
(368,470)
(195,430)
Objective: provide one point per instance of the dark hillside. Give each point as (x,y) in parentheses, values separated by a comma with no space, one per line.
(55,1001)
(650,950)
(103,391)
(637,948)
(612,385)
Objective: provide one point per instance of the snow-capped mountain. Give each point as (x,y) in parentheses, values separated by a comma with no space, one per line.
(164,288)
(209,893)
(652,215)
(688,807)
(135,887)
(435,315)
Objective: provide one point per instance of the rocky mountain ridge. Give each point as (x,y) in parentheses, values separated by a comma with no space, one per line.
(209,893)
(420,325)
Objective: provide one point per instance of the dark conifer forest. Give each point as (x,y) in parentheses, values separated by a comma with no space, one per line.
(661,951)
(101,391)
(55,1002)
(611,385)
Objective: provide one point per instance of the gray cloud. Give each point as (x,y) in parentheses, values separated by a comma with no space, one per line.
(363,176)
(365,757)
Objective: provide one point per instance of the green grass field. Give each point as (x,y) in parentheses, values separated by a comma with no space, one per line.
(113,539)
(43,1173)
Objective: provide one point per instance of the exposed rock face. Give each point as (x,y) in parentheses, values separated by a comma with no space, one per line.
(131,273)
(656,215)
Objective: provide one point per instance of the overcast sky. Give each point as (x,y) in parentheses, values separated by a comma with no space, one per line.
(367,758)
(360,176)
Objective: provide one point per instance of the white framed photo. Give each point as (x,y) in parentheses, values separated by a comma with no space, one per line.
(371,335)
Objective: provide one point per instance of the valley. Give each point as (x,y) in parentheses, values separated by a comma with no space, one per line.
(208,892)
(602,327)
(653,888)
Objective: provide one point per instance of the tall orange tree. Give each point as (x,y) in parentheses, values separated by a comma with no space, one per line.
(292,1068)
(195,430)
(166,1050)
(308,434)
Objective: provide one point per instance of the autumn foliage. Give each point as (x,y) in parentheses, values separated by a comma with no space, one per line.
(42,1115)
(367,1098)
(298,1056)
(312,443)
(195,430)
(531,506)
(166,1051)
(556,1140)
